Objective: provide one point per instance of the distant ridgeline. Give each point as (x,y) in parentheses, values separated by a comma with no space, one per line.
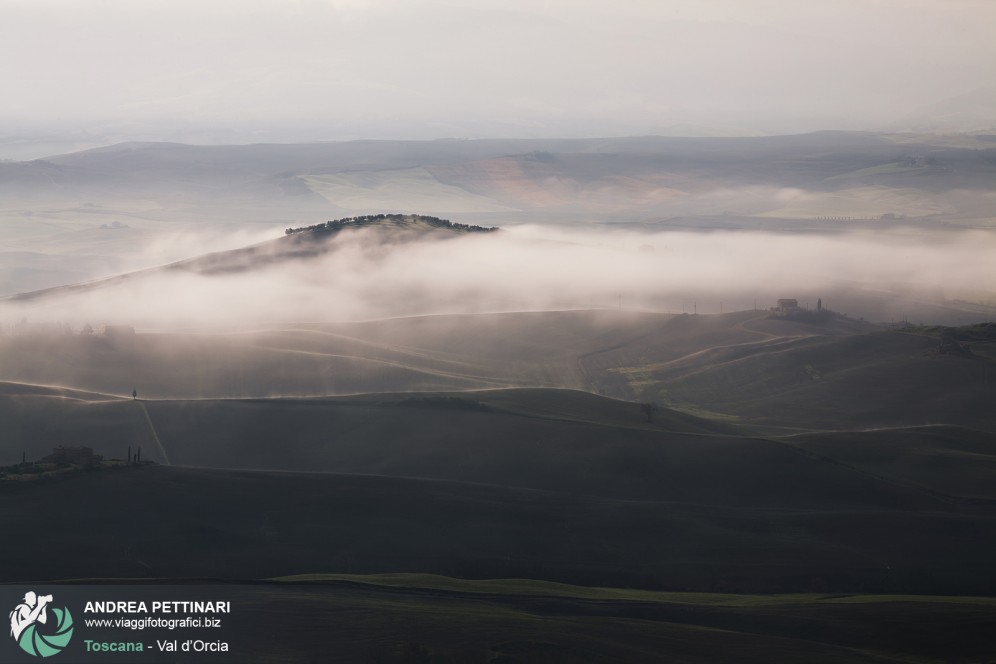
(399,219)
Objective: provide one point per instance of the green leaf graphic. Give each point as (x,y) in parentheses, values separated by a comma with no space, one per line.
(45,645)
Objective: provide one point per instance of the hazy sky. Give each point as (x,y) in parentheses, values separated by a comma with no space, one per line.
(245,70)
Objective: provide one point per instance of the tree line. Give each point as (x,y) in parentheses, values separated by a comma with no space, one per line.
(363,220)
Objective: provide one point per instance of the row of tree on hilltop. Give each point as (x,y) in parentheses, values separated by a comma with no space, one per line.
(366,219)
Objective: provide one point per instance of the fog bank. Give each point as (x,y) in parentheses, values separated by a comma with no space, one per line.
(534,268)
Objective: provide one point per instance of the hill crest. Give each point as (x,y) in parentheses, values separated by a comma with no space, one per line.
(297,243)
(406,221)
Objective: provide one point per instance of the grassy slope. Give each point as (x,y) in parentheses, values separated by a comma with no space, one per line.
(828,374)
(421,353)
(549,440)
(174,522)
(409,618)
(947,459)
(192,366)
(590,494)
(663,626)
(808,380)
(883,509)
(36,419)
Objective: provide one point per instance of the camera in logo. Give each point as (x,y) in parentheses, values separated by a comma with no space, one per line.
(34,632)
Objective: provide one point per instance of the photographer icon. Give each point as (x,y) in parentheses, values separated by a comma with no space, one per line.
(32,611)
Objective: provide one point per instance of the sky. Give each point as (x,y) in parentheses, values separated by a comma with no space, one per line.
(226,71)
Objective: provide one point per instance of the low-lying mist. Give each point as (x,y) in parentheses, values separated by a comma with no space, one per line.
(539,268)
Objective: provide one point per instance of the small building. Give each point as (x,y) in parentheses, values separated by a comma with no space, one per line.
(78,456)
(787,304)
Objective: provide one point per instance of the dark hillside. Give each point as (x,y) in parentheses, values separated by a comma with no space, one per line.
(175,522)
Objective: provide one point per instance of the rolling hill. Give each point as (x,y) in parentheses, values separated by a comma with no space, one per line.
(185,522)
(538,439)
(548,484)
(630,178)
(294,247)
(390,510)
(753,368)
(810,380)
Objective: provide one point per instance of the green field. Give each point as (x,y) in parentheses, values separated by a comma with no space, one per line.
(412,618)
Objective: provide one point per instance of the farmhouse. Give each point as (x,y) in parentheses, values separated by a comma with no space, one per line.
(80,456)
